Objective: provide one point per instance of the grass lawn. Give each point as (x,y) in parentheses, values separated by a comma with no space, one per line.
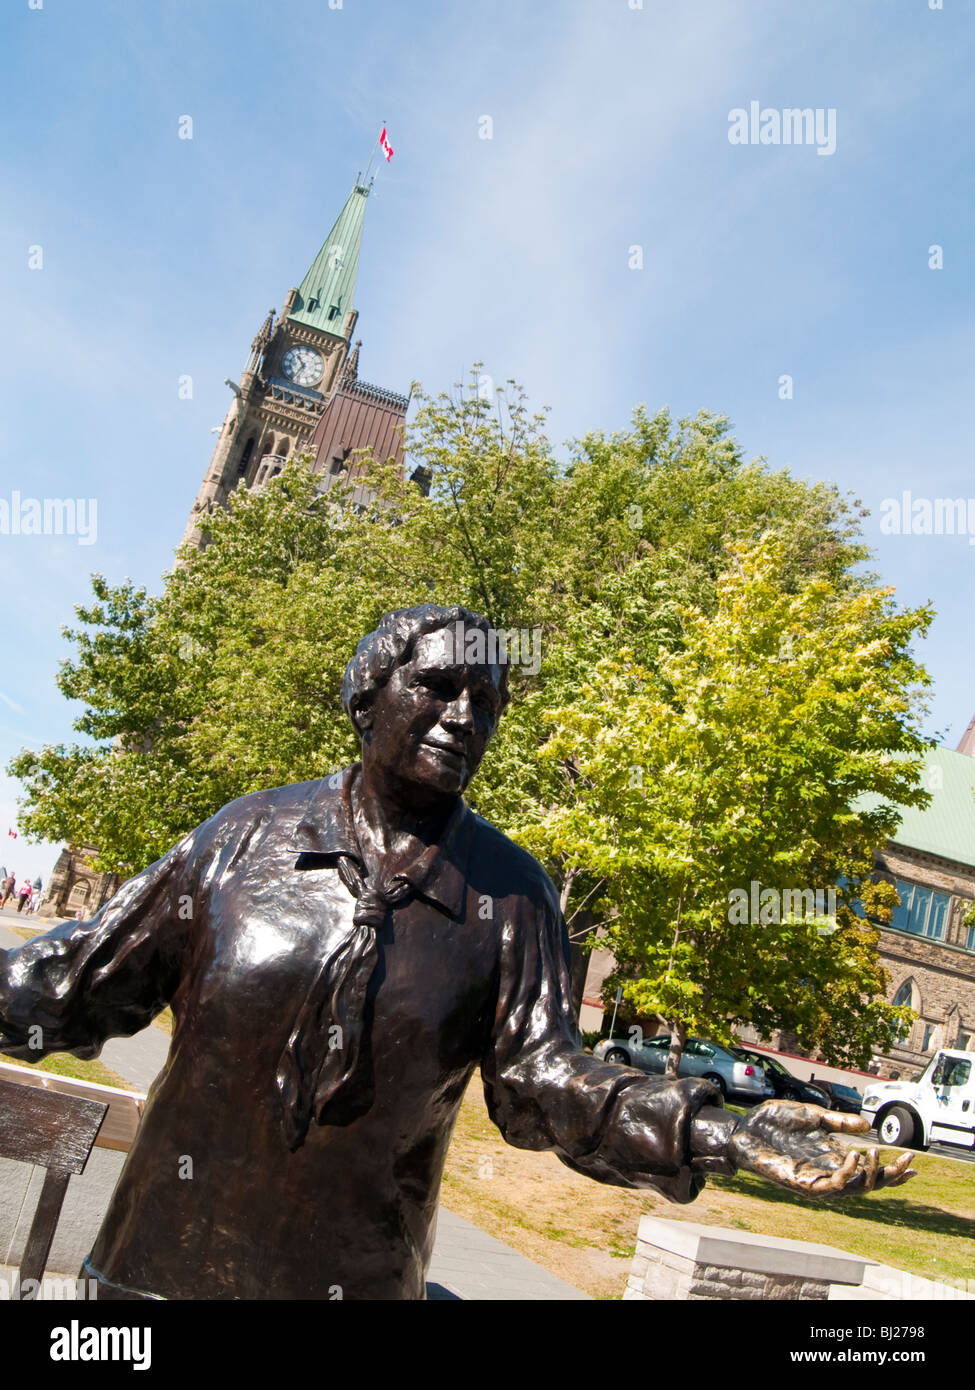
(585,1232)
(66,1064)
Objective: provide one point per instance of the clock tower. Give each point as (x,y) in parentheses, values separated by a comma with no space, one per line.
(299,363)
(299,392)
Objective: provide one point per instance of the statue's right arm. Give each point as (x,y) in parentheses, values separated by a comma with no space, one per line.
(84,982)
(611,1123)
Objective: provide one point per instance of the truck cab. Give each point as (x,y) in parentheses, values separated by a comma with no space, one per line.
(938,1108)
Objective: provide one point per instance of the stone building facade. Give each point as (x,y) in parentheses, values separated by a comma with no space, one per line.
(929,947)
(75,888)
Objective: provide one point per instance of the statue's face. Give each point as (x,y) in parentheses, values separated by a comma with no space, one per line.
(430,724)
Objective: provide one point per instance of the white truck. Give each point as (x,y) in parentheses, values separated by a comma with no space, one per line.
(938,1108)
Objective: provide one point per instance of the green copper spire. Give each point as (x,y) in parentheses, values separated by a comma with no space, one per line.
(325,295)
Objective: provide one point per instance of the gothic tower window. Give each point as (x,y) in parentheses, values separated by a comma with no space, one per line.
(245,457)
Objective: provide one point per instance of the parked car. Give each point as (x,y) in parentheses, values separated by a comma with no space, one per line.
(780,1078)
(846,1098)
(735,1079)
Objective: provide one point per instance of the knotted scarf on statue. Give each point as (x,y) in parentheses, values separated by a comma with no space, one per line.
(312,1070)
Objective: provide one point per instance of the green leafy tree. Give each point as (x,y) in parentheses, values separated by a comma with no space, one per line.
(741,756)
(227,681)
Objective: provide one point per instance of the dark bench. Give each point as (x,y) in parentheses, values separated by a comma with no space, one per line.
(53,1131)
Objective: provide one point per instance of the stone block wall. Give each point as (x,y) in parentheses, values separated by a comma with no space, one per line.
(686,1261)
(658,1275)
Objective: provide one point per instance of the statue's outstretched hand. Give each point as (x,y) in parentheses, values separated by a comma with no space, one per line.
(793,1144)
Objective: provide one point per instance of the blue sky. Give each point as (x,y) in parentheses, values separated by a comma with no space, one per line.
(609,130)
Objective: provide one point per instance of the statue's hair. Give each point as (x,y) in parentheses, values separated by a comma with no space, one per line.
(391,645)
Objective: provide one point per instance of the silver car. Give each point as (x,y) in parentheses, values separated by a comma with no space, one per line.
(736,1080)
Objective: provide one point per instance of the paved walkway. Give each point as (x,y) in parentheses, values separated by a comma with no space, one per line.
(467,1263)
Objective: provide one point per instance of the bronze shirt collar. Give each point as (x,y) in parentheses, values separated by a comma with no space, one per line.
(327,828)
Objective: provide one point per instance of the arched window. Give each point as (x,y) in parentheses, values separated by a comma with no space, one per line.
(910,995)
(80,893)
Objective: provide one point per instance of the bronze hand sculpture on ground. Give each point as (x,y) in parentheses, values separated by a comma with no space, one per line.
(793,1145)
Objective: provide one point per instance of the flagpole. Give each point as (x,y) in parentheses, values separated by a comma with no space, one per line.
(372,153)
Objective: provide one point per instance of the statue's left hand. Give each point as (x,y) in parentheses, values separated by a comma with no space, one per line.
(794,1145)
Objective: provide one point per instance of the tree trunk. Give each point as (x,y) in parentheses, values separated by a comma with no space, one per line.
(678,1037)
(578,971)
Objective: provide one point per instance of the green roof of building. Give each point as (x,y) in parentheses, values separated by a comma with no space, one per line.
(947,826)
(326,293)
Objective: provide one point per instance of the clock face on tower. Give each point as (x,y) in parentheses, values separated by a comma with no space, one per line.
(303,366)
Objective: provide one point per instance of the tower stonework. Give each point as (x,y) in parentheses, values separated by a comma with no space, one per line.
(299,376)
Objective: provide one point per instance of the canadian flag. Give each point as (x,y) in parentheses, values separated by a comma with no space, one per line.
(385,146)
(13,833)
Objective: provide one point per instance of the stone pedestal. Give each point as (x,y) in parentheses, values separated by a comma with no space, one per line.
(679,1259)
(682,1260)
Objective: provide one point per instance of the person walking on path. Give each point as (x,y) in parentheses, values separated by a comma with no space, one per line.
(25,894)
(8,885)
